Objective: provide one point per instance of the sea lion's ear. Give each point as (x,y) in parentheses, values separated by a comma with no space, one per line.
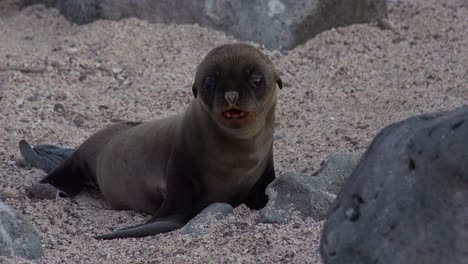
(279,82)
(194,90)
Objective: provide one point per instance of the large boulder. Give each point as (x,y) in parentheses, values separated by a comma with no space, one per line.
(407,200)
(8,8)
(273,23)
(17,236)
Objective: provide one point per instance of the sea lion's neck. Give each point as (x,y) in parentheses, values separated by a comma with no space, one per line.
(226,159)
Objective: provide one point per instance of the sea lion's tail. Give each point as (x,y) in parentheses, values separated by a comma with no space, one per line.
(44,157)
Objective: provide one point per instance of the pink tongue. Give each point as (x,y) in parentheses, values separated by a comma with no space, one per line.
(233,113)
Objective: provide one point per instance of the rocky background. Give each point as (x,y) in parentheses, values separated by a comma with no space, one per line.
(60,82)
(272,23)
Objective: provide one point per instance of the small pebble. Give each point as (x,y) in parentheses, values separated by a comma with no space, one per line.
(59,108)
(21,163)
(71,50)
(9,193)
(19,102)
(117,70)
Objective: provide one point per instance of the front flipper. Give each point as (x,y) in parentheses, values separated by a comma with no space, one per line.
(153,227)
(44,157)
(257,198)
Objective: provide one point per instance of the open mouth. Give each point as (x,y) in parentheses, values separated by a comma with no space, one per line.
(234,114)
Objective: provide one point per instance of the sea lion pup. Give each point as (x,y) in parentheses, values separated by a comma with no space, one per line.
(220,149)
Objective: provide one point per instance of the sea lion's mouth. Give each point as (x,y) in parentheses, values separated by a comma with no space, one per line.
(234,113)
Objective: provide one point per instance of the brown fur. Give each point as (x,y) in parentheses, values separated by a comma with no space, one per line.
(172,168)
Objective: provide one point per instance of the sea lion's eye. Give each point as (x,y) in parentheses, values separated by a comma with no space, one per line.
(209,83)
(257,80)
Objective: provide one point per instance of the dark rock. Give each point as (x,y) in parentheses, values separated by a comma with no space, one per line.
(21,163)
(273,23)
(17,236)
(58,107)
(407,200)
(78,121)
(216,211)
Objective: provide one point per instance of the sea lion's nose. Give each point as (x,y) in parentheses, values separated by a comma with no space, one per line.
(231,96)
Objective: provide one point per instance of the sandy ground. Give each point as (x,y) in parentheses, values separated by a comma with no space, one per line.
(341,88)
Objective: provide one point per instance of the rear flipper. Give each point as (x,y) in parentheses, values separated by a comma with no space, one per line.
(67,177)
(63,173)
(44,157)
(153,227)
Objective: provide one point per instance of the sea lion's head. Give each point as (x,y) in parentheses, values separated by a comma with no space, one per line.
(236,84)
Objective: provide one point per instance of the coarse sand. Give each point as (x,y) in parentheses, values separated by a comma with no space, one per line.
(340,89)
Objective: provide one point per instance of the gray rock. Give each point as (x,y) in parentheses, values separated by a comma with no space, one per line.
(270,215)
(215,211)
(273,23)
(293,192)
(17,236)
(407,200)
(311,196)
(334,171)
(78,11)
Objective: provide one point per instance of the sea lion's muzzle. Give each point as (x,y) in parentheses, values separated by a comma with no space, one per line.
(231,97)
(232,112)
